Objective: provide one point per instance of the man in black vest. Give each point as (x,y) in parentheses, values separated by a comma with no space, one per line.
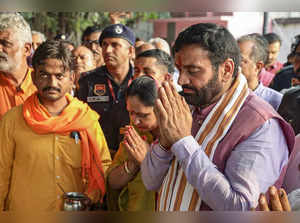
(104,88)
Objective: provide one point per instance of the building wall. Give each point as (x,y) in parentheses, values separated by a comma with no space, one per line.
(170,28)
(286,32)
(144,30)
(239,23)
(242,23)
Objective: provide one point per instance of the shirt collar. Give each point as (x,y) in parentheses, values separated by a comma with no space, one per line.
(127,78)
(258,88)
(204,111)
(27,82)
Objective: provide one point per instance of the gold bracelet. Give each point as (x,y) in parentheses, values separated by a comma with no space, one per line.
(127,169)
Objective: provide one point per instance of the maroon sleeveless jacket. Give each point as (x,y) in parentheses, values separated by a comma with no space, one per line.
(253,114)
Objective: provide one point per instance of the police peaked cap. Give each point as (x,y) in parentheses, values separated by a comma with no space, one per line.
(118,31)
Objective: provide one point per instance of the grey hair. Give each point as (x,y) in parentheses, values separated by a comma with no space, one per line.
(43,37)
(259,50)
(15,21)
(163,42)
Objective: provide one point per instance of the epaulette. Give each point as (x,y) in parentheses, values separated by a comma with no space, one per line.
(91,73)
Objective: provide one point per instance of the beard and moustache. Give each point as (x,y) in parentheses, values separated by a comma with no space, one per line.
(8,64)
(205,95)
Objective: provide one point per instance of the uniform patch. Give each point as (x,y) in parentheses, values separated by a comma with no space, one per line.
(99,89)
(98,99)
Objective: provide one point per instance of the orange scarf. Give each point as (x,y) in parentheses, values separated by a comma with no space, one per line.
(77,116)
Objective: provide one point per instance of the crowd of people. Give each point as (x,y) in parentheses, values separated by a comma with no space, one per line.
(207,123)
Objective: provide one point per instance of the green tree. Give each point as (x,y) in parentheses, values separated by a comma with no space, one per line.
(74,23)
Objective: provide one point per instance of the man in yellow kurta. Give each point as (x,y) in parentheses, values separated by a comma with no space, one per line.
(52,143)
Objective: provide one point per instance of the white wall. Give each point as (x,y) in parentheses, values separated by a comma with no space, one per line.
(242,23)
(286,32)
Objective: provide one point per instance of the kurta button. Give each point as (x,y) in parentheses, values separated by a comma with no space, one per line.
(57,177)
(56,137)
(57,157)
(58,197)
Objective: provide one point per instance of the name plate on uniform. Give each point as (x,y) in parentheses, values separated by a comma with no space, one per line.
(98,99)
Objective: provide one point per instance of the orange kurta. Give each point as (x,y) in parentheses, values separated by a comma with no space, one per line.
(10,96)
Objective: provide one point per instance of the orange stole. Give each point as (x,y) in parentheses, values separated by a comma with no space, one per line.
(77,116)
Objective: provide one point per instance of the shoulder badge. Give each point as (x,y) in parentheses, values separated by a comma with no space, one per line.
(99,89)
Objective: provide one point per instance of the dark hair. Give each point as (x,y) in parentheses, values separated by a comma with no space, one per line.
(259,51)
(53,49)
(215,39)
(138,39)
(67,42)
(295,44)
(162,58)
(89,30)
(145,89)
(272,38)
(62,36)
(289,107)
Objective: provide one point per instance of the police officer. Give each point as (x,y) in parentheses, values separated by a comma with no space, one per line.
(104,88)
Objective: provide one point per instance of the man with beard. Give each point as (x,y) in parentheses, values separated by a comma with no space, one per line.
(213,158)
(90,39)
(53,143)
(104,88)
(15,74)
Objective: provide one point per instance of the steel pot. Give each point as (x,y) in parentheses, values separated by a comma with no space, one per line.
(74,201)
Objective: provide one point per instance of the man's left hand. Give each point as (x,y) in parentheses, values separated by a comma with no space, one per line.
(173,115)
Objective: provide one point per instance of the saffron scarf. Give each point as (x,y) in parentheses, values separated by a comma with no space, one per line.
(77,116)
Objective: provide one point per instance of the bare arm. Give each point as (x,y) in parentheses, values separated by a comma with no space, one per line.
(135,148)
(119,178)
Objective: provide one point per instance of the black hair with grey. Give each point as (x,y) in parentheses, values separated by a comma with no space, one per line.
(259,50)
(216,40)
(162,58)
(145,89)
(272,38)
(53,49)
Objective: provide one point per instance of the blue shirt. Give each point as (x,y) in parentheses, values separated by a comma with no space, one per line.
(269,95)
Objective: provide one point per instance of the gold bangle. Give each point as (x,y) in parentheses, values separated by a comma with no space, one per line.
(127,169)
